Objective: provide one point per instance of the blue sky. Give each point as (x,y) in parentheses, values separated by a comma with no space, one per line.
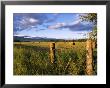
(51,25)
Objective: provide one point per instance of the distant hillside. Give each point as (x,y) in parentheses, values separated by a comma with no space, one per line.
(30,39)
(42,39)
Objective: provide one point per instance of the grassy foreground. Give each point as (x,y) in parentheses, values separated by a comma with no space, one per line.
(32,58)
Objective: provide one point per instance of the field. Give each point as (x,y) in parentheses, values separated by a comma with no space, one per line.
(33,58)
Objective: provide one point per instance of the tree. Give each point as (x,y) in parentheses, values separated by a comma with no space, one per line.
(93,34)
(89,17)
(92,18)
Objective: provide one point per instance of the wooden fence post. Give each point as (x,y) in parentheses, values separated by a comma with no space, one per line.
(89,57)
(94,44)
(52,52)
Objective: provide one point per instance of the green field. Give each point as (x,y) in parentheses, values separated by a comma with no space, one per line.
(33,58)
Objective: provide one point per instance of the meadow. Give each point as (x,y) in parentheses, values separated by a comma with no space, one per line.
(33,58)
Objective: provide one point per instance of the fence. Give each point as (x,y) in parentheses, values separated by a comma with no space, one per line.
(53,48)
(89,55)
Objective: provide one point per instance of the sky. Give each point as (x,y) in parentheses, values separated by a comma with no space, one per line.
(51,25)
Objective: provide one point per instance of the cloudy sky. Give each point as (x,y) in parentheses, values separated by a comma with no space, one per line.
(50,25)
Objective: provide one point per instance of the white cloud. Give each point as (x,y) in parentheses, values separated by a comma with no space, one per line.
(74,22)
(32,20)
(73,26)
(26,22)
(57,25)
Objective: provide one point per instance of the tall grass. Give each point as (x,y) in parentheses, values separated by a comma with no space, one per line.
(33,59)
